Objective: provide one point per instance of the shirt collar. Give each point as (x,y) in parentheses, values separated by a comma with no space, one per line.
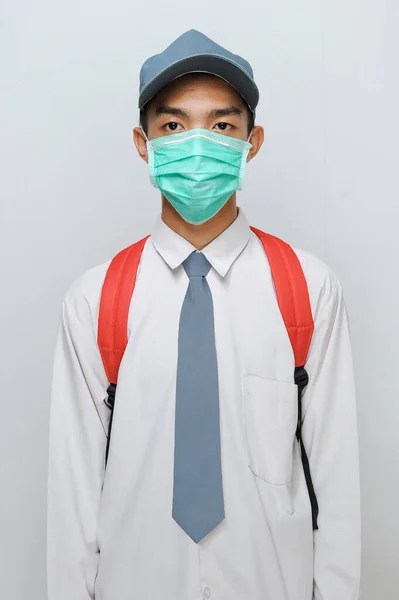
(221,252)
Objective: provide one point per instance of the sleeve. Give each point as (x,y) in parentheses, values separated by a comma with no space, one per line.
(330,436)
(76,458)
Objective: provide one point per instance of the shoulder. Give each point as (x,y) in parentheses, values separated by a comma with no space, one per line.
(323,284)
(82,301)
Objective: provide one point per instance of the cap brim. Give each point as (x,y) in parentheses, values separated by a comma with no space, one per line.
(204,63)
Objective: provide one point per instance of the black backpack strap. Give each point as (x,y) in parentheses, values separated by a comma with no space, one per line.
(110,402)
(302,380)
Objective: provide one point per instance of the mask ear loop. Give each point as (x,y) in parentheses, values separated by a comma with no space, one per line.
(150,153)
(145,135)
(244,161)
(249,137)
(253,111)
(242,169)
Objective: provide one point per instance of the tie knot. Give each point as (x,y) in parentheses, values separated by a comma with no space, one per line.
(196,265)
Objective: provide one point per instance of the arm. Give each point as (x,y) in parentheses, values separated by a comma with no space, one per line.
(76,462)
(330,435)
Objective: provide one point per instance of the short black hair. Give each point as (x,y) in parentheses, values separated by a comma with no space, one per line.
(144,117)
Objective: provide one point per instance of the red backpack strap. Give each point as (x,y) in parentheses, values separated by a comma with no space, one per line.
(116,295)
(292,293)
(294,303)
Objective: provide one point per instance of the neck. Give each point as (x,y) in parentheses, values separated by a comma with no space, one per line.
(200,235)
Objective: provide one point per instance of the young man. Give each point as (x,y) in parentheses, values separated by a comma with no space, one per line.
(205,493)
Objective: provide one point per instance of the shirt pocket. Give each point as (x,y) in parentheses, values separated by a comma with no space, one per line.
(270,413)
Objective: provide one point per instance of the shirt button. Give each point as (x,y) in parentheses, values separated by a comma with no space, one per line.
(207,592)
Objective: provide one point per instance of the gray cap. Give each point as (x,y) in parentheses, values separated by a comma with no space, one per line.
(194,52)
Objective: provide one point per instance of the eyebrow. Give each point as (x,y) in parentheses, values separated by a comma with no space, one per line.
(178,112)
(171,110)
(225,112)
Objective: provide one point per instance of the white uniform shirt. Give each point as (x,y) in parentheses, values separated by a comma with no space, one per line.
(112,536)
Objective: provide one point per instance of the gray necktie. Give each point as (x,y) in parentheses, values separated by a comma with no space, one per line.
(197,491)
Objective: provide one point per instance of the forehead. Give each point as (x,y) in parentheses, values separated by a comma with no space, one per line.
(200,88)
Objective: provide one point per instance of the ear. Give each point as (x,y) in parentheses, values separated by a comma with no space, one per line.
(256,139)
(140,143)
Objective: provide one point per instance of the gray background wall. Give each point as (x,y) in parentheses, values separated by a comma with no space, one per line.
(73,193)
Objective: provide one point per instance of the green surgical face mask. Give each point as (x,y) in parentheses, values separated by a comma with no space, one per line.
(197,171)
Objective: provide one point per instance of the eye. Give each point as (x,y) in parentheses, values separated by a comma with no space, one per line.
(172,126)
(222,126)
